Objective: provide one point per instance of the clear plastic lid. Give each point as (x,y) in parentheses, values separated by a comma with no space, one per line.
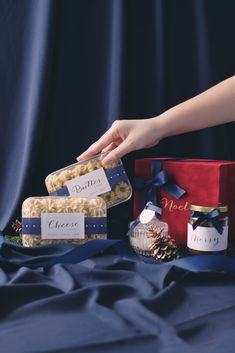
(55,219)
(91,178)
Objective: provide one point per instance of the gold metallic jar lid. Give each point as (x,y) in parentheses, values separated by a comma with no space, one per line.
(208,208)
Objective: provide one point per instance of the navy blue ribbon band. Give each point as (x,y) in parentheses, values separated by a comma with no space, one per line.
(93,225)
(214,216)
(60,192)
(160,178)
(114,176)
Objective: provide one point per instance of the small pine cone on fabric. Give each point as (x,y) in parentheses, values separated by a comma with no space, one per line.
(17,226)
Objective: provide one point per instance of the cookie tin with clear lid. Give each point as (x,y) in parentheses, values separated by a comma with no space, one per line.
(56,219)
(91,178)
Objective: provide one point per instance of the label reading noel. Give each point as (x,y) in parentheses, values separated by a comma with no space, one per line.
(207,238)
(62,226)
(172,206)
(89,185)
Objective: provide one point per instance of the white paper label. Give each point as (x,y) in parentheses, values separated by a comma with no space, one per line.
(62,226)
(146,216)
(207,238)
(89,185)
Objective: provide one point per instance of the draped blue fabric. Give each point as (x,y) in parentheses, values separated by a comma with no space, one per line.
(114,302)
(68,69)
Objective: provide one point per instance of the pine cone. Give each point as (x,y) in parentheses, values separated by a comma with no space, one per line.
(17,226)
(163,247)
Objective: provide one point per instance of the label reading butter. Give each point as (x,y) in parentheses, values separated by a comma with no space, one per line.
(89,185)
(62,226)
(207,238)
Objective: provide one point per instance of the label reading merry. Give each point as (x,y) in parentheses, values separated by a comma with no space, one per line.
(62,226)
(207,238)
(89,185)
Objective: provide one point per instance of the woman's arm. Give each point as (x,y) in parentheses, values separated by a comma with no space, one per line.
(212,107)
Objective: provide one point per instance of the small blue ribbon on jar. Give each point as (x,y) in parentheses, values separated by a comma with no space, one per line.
(214,216)
(149,206)
(160,179)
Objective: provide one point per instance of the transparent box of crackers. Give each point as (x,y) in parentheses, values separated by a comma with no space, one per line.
(90,178)
(56,219)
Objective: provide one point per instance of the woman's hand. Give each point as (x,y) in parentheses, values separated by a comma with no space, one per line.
(123,137)
(212,107)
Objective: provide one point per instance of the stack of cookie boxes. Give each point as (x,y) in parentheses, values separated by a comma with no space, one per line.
(76,210)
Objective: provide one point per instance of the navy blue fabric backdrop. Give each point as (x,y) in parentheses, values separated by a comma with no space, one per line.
(69,68)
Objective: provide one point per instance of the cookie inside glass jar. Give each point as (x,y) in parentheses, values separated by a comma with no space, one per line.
(91,178)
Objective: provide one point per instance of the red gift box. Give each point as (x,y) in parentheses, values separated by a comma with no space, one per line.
(206,182)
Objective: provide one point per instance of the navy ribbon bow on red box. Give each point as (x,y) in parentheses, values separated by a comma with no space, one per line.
(160,178)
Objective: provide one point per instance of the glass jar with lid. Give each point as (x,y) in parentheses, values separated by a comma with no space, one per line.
(207,230)
(148,219)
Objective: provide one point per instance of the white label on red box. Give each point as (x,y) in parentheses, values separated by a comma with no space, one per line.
(207,238)
(62,226)
(89,185)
